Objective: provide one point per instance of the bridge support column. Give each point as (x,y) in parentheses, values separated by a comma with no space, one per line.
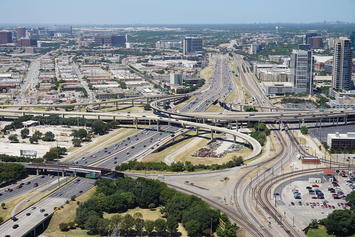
(99,106)
(116,105)
(98,117)
(158,126)
(147,100)
(136,122)
(63,116)
(203,121)
(37,171)
(235,138)
(62,173)
(241,107)
(149,122)
(337,121)
(196,131)
(345,119)
(211,134)
(132,102)
(114,118)
(237,124)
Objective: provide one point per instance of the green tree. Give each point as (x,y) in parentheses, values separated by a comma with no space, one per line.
(48,136)
(350,198)
(171,224)
(340,223)
(13,138)
(99,127)
(160,225)
(149,226)
(3,205)
(80,133)
(139,225)
(147,107)
(76,142)
(127,223)
(304,130)
(50,156)
(64,227)
(24,133)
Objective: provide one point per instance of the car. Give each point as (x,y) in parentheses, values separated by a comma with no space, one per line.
(315,186)
(308,187)
(29,182)
(292,203)
(45,214)
(19,186)
(35,185)
(14,218)
(33,207)
(42,176)
(42,210)
(15,226)
(28,214)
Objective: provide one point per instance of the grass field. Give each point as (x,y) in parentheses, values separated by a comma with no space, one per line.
(214,108)
(67,214)
(320,232)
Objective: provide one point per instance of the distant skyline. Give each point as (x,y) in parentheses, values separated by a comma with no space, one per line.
(174,11)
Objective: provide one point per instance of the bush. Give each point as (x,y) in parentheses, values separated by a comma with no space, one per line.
(64,227)
(304,130)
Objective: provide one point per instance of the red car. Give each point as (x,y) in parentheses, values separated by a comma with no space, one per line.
(315,186)
(19,186)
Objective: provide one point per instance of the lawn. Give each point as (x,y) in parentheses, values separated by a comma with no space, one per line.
(320,232)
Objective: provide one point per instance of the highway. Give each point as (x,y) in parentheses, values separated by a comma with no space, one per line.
(38,212)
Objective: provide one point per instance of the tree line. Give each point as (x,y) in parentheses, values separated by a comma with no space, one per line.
(177,166)
(260,133)
(117,196)
(10,172)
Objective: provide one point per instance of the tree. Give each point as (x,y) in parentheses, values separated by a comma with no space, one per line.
(13,138)
(24,133)
(304,130)
(80,133)
(172,225)
(127,223)
(160,225)
(139,224)
(50,156)
(64,227)
(137,215)
(99,127)
(147,107)
(340,223)
(350,198)
(3,205)
(76,142)
(48,136)
(38,134)
(35,137)
(149,226)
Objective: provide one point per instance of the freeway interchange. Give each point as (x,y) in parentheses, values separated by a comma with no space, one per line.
(242,191)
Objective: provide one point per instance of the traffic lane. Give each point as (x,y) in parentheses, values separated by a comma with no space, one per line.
(43,209)
(93,157)
(26,187)
(132,151)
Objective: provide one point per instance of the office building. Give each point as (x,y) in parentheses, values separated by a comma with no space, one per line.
(20,32)
(5,37)
(302,70)
(113,40)
(342,64)
(316,42)
(254,48)
(25,42)
(168,44)
(341,141)
(192,45)
(304,47)
(175,79)
(352,38)
(310,35)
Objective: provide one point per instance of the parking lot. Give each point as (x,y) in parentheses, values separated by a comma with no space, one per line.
(313,197)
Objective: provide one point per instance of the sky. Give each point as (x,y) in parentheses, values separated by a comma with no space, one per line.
(174,11)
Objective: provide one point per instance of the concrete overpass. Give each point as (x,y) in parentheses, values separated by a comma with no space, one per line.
(136,118)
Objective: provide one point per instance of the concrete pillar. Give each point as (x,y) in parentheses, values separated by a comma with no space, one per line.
(37,171)
(62,173)
(149,122)
(345,119)
(147,100)
(132,102)
(235,138)
(158,126)
(196,131)
(203,121)
(114,118)
(211,134)
(237,124)
(63,116)
(98,117)
(136,121)
(23,113)
(116,105)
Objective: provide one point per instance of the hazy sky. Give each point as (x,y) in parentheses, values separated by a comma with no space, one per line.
(174,11)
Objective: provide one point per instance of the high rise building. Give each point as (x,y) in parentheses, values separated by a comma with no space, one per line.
(310,35)
(20,32)
(192,45)
(302,70)
(342,64)
(352,38)
(5,37)
(316,42)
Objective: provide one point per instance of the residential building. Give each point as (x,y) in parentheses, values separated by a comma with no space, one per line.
(342,64)
(302,70)
(5,37)
(192,45)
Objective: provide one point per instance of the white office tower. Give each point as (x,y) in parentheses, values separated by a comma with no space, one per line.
(302,70)
(342,64)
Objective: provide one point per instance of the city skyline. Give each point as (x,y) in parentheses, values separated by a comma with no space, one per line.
(177,12)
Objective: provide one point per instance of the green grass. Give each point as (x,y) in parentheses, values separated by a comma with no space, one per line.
(320,232)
